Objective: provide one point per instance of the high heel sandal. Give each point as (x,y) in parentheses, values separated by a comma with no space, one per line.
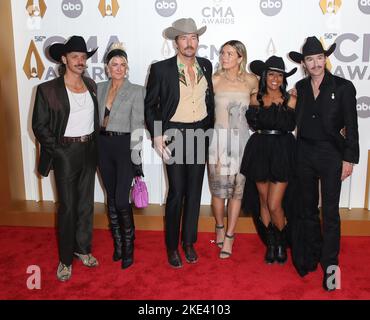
(220,243)
(226,254)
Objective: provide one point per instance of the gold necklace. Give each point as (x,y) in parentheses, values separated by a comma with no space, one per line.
(74,88)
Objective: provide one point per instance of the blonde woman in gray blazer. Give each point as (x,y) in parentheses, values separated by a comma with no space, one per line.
(121,119)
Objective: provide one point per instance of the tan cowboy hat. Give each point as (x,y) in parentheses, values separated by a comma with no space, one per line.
(183,26)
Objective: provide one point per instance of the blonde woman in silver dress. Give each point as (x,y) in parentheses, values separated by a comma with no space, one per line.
(233,87)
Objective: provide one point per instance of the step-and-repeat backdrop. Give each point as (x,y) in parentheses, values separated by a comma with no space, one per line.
(265,26)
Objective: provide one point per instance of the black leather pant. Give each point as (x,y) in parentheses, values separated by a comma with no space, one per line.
(117,174)
(74,170)
(116,168)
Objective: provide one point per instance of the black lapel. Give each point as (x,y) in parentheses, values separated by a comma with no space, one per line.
(173,76)
(302,95)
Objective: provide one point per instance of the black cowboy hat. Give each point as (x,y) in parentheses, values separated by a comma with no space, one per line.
(312,46)
(273,63)
(73,44)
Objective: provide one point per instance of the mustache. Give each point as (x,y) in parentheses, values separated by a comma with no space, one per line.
(189,47)
(81,65)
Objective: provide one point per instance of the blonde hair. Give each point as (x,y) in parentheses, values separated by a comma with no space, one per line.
(116,49)
(240,50)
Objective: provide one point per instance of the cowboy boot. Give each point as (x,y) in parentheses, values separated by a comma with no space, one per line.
(281,244)
(128,231)
(270,244)
(115,229)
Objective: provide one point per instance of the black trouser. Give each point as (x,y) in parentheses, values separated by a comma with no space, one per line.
(74,170)
(185,179)
(320,160)
(116,169)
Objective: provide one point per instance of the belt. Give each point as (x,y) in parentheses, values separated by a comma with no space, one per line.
(276,132)
(84,138)
(202,124)
(113,133)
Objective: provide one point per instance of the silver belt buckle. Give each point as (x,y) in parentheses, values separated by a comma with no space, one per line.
(84,138)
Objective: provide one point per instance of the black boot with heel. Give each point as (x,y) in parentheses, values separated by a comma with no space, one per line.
(281,244)
(270,244)
(115,229)
(128,231)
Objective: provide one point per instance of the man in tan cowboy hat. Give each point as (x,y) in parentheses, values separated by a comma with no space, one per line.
(325,105)
(179,99)
(64,121)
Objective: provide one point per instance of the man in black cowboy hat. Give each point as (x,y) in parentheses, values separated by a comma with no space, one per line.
(326,104)
(64,121)
(179,97)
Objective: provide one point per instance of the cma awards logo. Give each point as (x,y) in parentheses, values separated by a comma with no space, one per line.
(364,6)
(34,67)
(166,50)
(330,6)
(270,49)
(218,14)
(271,7)
(72,8)
(165,8)
(353,54)
(108,7)
(36,10)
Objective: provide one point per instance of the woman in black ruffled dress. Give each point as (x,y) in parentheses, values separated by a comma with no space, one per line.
(268,160)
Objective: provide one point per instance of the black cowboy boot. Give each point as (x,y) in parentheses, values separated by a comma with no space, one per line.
(128,231)
(270,244)
(115,229)
(281,243)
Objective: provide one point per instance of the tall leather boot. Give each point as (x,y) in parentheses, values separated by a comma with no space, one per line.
(115,229)
(270,244)
(128,231)
(281,243)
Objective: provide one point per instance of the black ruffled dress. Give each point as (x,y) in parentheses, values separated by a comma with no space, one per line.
(268,157)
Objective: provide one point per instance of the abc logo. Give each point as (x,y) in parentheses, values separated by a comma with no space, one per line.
(363,107)
(72,8)
(165,8)
(271,7)
(364,6)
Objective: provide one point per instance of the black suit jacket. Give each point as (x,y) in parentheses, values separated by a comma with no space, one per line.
(163,93)
(339,111)
(50,117)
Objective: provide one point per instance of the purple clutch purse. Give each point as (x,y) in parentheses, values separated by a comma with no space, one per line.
(139,193)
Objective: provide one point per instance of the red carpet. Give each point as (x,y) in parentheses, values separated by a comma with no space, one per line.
(244,276)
